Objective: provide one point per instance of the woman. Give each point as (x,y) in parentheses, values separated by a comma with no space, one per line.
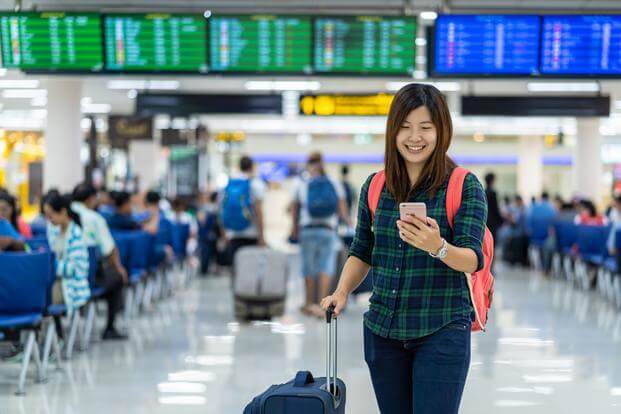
(589,216)
(67,242)
(417,330)
(10,212)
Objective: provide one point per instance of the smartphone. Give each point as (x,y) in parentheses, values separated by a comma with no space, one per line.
(416,209)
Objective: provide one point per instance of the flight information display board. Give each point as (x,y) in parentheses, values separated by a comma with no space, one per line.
(581,45)
(365,44)
(51,41)
(486,44)
(260,43)
(156,42)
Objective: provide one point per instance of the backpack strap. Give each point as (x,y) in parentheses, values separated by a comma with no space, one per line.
(453,193)
(375,191)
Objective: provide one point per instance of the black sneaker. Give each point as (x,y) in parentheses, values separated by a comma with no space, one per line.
(113,335)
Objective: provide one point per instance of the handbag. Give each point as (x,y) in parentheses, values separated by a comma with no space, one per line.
(108,275)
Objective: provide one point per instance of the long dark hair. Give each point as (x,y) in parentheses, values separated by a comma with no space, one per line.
(11,201)
(60,202)
(439,165)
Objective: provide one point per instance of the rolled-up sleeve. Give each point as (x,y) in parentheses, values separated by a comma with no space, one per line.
(469,227)
(362,246)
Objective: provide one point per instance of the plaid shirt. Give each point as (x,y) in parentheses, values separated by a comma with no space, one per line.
(414,294)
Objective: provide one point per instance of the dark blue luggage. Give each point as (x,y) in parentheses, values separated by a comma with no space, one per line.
(305,394)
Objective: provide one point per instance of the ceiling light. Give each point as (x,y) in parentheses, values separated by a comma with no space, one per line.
(132,93)
(563,86)
(207,14)
(282,85)
(429,15)
(19,83)
(442,86)
(95,108)
(24,93)
(478,137)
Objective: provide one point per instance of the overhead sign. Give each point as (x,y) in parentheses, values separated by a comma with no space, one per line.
(346,105)
(128,128)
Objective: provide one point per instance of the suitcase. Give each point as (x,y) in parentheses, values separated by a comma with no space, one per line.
(260,282)
(305,394)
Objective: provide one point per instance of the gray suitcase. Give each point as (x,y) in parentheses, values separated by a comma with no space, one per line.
(260,282)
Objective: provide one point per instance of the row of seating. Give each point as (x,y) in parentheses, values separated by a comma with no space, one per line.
(26,281)
(579,254)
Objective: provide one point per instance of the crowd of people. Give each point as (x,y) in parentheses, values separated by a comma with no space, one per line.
(512,221)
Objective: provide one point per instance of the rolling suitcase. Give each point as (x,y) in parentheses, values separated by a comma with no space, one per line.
(305,394)
(260,282)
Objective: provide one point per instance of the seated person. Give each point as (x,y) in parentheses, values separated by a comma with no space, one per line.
(10,211)
(121,218)
(10,239)
(66,240)
(159,226)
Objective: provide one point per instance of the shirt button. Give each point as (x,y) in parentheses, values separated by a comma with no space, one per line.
(400,245)
(394,291)
(397,268)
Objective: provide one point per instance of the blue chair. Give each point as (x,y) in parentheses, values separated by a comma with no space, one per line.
(141,249)
(180,237)
(38,229)
(37,243)
(566,233)
(24,278)
(592,252)
(538,233)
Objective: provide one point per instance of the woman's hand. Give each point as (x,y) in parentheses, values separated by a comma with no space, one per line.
(424,235)
(338,299)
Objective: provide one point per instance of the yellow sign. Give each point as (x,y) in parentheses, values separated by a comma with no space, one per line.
(225,136)
(346,105)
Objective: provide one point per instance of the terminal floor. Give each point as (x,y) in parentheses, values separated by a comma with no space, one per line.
(549,349)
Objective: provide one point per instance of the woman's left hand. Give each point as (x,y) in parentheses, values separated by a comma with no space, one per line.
(422,234)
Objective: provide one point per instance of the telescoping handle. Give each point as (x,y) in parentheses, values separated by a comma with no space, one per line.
(331,351)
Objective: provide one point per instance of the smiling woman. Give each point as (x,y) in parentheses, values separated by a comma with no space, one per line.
(417,330)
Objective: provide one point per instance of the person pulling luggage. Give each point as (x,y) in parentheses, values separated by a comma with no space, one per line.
(417,329)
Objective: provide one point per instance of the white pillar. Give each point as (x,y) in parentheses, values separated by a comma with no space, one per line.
(530,167)
(143,158)
(587,160)
(62,167)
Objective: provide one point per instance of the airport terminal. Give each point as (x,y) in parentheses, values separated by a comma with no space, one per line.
(300,207)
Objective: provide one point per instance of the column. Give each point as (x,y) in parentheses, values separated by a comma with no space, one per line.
(144,161)
(530,167)
(62,167)
(588,168)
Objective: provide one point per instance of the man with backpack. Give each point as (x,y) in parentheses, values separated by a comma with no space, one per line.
(318,202)
(242,210)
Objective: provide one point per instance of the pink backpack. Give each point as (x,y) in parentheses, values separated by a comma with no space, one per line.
(481,283)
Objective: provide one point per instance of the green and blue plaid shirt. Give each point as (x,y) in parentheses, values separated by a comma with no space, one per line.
(414,294)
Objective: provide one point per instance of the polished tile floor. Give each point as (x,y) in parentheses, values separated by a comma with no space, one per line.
(550,349)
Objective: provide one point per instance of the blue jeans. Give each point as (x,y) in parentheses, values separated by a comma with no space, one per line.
(420,376)
(317,246)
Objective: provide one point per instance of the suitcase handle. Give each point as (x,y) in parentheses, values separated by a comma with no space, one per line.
(331,352)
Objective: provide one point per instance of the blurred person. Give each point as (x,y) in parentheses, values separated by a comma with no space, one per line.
(10,238)
(180,214)
(540,212)
(105,202)
(121,218)
(242,208)
(588,215)
(318,203)
(417,350)
(615,219)
(158,225)
(111,275)
(209,231)
(348,189)
(494,216)
(66,240)
(9,210)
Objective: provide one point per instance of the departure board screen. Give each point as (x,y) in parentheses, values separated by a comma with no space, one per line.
(365,44)
(260,43)
(486,44)
(581,45)
(53,41)
(156,42)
